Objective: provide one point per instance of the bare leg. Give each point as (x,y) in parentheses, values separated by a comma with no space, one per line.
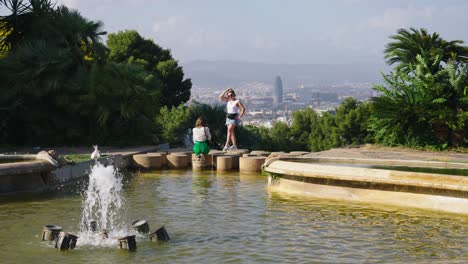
(228,135)
(233,135)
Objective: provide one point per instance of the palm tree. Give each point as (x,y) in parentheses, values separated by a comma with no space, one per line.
(115,96)
(402,113)
(408,44)
(40,20)
(44,65)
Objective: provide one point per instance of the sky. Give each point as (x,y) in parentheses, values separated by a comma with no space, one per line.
(277,31)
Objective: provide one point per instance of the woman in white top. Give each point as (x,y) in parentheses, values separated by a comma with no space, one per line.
(233,116)
(201,134)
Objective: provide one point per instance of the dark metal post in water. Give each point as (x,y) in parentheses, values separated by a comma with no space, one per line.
(93,225)
(141,226)
(104,234)
(160,235)
(128,243)
(66,241)
(50,232)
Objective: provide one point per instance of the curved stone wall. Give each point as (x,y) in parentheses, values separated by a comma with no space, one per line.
(410,189)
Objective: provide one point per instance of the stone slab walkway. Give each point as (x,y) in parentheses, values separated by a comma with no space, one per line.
(378,152)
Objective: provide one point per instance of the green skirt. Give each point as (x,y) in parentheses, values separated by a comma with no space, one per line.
(201,147)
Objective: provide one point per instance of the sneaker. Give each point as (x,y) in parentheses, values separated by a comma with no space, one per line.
(226,148)
(233,147)
(198,157)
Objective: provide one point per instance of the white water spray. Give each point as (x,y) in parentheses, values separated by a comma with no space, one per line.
(102,202)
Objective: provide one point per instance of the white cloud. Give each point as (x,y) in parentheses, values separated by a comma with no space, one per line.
(68,3)
(394,18)
(373,32)
(197,38)
(168,25)
(260,42)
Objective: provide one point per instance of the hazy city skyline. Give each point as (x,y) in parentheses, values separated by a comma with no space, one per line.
(274,31)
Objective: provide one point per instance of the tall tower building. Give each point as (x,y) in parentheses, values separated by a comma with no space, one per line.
(278,91)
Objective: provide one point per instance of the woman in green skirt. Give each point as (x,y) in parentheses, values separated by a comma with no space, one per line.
(201,135)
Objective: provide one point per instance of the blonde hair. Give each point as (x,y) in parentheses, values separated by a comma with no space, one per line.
(201,121)
(230,90)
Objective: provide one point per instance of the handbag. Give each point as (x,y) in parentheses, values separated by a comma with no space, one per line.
(231,116)
(208,141)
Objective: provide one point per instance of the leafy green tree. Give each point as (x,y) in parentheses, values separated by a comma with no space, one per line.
(422,108)
(174,124)
(351,119)
(451,106)
(408,44)
(129,47)
(121,101)
(324,134)
(253,138)
(32,20)
(280,135)
(175,89)
(301,126)
(43,65)
(215,116)
(56,87)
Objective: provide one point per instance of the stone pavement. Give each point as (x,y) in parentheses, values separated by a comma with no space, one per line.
(377,152)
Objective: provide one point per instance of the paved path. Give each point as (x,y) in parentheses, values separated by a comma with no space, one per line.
(84,150)
(375,152)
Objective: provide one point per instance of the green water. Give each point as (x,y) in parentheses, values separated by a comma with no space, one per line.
(448,171)
(232,218)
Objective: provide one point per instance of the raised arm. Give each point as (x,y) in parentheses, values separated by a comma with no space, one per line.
(222,95)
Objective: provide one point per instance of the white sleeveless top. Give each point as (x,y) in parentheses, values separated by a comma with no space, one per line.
(201,134)
(232,107)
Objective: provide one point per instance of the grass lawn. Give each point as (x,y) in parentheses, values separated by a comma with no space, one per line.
(79,157)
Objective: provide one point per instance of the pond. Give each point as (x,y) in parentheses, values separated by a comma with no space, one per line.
(447,171)
(232,218)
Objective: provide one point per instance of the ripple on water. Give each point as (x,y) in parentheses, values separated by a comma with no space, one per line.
(233,219)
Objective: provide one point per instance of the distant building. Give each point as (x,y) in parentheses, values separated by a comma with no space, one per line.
(278,91)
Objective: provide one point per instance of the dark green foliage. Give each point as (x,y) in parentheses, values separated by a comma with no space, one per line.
(324,133)
(422,108)
(176,123)
(307,132)
(42,71)
(408,44)
(252,137)
(129,47)
(216,118)
(276,138)
(173,124)
(352,120)
(58,87)
(424,101)
(301,126)
(120,100)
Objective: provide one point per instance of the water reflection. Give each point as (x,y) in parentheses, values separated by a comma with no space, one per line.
(218,218)
(394,233)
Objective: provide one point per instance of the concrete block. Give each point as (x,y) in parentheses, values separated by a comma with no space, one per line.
(148,161)
(223,163)
(163,157)
(177,161)
(299,152)
(199,164)
(260,153)
(251,164)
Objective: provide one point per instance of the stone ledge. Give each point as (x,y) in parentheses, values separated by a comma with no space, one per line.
(364,184)
(418,179)
(35,166)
